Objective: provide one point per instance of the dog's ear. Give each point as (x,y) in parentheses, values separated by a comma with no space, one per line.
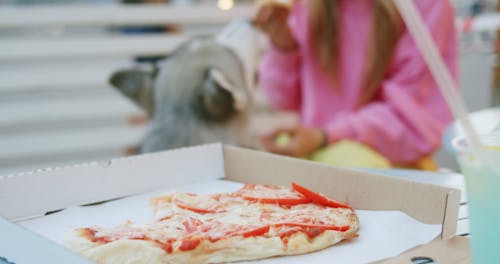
(137,85)
(218,103)
(212,55)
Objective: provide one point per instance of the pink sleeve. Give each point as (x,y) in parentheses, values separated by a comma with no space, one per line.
(280,79)
(406,121)
(279,72)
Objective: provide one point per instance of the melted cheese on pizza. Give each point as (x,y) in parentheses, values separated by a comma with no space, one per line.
(187,222)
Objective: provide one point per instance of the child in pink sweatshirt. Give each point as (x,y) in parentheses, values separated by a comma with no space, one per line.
(398,111)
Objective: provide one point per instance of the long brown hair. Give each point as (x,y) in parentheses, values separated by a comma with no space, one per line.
(325,40)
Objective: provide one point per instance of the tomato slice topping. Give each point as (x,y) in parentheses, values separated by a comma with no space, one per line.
(285,230)
(201,204)
(271,195)
(192,224)
(318,198)
(194,209)
(166,246)
(314,226)
(256,231)
(189,244)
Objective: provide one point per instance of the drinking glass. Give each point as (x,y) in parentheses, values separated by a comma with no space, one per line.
(482,177)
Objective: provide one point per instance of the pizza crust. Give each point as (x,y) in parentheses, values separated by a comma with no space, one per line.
(138,245)
(225,250)
(126,252)
(141,251)
(237,249)
(299,243)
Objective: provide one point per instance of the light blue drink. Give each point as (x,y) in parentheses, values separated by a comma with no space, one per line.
(483,192)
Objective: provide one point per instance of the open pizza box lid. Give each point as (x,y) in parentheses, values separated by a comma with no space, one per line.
(34,194)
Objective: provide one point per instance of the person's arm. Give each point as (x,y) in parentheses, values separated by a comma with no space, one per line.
(280,79)
(279,71)
(406,121)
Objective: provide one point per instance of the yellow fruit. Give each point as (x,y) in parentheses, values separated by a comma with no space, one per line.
(348,153)
(283,139)
(496,148)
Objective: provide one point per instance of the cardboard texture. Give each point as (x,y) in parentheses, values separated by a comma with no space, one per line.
(427,203)
(34,194)
(455,250)
(41,250)
(376,240)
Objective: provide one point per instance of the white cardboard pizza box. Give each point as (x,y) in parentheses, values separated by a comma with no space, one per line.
(34,194)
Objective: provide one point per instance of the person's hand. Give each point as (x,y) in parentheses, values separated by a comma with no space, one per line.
(272,20)
(303,141)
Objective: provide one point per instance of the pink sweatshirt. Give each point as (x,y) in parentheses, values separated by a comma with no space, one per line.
(407,117)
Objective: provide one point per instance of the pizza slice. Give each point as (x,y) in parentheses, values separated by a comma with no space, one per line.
(254,222)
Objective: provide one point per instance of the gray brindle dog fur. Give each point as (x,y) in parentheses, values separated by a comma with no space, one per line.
(197,95)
